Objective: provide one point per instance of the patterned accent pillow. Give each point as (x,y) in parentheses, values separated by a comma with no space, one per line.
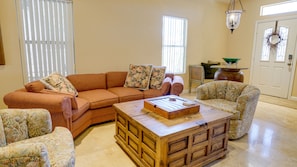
(59,83)
(138,76)
(157,77)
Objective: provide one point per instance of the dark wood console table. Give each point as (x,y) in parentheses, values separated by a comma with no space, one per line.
(229,72)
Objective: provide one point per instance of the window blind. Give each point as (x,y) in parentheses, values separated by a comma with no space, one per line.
(47,33)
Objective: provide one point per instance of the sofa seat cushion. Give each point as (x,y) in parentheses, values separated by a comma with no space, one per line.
(126,94)
(82,106)
(99,98)
(224,105)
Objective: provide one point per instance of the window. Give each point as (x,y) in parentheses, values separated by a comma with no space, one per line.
(279,8)
(279,48)
(47,37)
(174,38)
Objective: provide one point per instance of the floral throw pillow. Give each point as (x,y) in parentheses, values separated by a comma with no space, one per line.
(138,76)
(59,83)
(157,77)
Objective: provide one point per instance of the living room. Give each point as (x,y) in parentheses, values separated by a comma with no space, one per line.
(110,35)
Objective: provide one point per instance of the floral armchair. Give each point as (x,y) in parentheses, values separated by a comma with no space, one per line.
(27,139)
(237,98)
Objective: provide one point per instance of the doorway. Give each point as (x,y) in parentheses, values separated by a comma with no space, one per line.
(274,49)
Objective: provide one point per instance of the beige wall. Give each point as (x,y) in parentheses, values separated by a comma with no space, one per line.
(109,35)
(112,34)
(11,76)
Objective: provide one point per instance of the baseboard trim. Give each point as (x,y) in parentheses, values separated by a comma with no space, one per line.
(293,98)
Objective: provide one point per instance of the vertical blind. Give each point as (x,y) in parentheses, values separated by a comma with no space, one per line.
(174,37)
(47,32)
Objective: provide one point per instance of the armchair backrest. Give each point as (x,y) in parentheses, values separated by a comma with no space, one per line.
(223,89)
(20,124)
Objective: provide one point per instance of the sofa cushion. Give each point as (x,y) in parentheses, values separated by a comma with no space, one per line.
(126,94)
(115,79)
(157,77)
(138,76)
(224,105)
(83,82)
(59,83)
(99,98)
(82,106)
(34,86)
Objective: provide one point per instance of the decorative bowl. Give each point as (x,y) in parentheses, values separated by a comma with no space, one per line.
(231,60)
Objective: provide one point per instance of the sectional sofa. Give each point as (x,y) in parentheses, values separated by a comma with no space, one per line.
(96,93)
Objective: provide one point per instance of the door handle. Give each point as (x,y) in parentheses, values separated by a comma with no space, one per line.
(290,58)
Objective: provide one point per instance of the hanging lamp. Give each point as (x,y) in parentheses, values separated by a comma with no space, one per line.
(233,15)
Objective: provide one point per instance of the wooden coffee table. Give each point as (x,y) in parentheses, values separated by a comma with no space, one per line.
(154,141)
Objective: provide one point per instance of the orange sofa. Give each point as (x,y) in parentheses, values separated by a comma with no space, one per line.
(96,95)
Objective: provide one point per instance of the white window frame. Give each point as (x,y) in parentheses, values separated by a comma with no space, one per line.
(174,44)
(46,37)
(279,8)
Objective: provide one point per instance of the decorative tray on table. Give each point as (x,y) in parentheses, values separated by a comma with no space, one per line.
(171,107)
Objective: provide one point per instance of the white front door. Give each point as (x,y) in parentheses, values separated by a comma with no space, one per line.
(273,56)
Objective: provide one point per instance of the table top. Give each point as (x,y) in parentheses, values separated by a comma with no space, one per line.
(162,126)
(231,66)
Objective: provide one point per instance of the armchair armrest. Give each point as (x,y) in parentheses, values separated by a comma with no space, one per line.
(247,102)
(25,154)
(202,92)
(177,85)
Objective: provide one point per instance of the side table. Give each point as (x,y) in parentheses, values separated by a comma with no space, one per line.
(196,74)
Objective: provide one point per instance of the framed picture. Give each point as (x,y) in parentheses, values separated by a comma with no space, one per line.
(2,60)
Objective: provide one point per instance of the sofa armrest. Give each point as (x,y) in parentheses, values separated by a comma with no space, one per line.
(166,85)
(51,102)
(58,105)
(177,85)
(25,154)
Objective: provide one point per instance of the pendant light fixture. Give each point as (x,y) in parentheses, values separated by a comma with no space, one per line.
(233,15)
